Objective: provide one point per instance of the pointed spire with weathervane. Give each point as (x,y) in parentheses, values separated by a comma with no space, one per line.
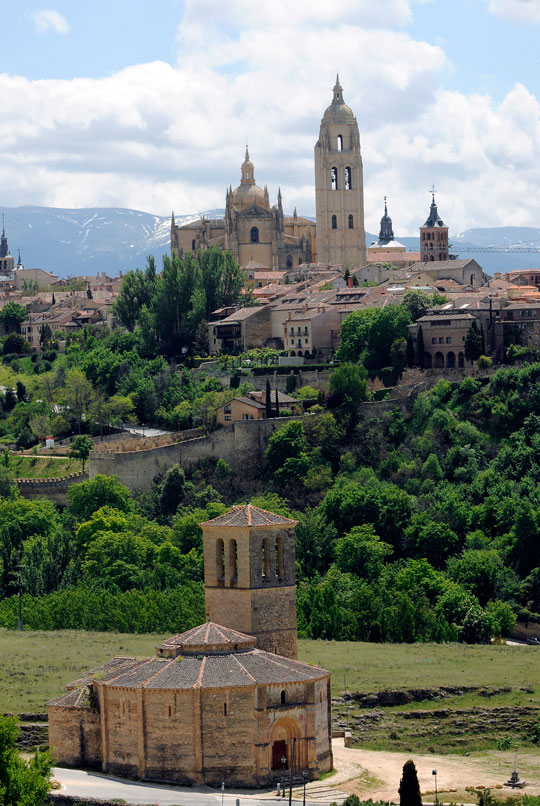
(386,233)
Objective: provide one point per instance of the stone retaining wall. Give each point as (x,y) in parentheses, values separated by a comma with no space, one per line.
(55,489)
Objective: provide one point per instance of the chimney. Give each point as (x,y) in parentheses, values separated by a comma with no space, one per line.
(349,282)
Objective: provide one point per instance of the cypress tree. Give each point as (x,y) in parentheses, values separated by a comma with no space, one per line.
(420,360)
(409,788)
(268,400)
(410,351)
(473,343)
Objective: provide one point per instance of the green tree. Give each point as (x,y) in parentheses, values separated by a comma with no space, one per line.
(171,490)
(46,334)
(420,349)
(12,316)
(391,324)
(15,343)
(409,788)
(288,442)
(417,302)
(473,343)
(88,496)
(354,334)
(361,552)
(77,395)
(411,355)
(81,447)
(268,400)
(22,783)
(348,387)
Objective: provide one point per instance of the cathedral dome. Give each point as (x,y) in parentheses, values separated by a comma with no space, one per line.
(247,192)
(338,111)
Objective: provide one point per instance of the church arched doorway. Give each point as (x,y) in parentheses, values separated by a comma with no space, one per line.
(451,360)
(285,733)
(439,361)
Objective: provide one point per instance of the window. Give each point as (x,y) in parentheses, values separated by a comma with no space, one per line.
(227,408)
(351,222)
(233,559)
(449,340)
(265,558)
(348,178)
(441,339)
(334,222)
(254,235)
(340,142)
(334,179)
(289,261)
(228,417)
(224,709)
(284,698)
(245,417)
(193,244)
(220,559)
(278,548)
(434,341)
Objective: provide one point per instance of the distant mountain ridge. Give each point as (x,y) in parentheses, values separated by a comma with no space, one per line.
(70,242)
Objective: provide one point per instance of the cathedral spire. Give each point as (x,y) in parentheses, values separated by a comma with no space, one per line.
(386,233)
(4,249)
(338,92)
(248,172)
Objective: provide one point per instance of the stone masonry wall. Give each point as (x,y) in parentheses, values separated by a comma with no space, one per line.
(242,445)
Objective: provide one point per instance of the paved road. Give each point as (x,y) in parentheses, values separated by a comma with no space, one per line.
(104,787)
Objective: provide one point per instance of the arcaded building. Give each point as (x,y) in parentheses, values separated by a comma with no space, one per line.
(216,703)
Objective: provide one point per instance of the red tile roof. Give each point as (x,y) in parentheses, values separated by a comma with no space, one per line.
(248,515)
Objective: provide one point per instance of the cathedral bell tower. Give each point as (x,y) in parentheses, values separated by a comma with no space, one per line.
(433,236)
(339,187)
(250,577)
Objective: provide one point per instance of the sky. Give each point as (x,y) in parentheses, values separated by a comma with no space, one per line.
(149,105)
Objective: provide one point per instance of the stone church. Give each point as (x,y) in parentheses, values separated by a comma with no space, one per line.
(225,701)
(253,230)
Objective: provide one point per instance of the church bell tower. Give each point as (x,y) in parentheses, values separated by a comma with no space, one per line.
(250,577)
(339,187)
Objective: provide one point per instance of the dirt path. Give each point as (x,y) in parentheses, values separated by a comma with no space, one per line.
(376,774)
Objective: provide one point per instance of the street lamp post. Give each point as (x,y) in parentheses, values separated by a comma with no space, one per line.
(284,762)
(304,776)
(292,769)
(434,772)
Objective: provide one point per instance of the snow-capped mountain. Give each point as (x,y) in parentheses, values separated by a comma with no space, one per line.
(70,242)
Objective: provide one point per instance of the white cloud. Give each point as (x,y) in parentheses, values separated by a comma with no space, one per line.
(156,137)
(47,19)
(516,10)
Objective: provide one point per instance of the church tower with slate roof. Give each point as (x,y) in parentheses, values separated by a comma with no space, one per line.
(250,577)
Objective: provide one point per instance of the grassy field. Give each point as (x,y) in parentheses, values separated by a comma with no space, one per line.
(46,467)
(373,667)
(34,666)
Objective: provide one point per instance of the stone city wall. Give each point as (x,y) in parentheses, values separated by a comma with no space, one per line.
(54,489)
(241,445)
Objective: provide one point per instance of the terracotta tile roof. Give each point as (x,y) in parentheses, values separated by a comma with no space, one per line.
(77,698)
(248,515)
(214,671)
(208,637)
(106,671)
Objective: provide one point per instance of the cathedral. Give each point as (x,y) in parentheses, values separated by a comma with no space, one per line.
(251,229)
(255,231)
(225,701)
